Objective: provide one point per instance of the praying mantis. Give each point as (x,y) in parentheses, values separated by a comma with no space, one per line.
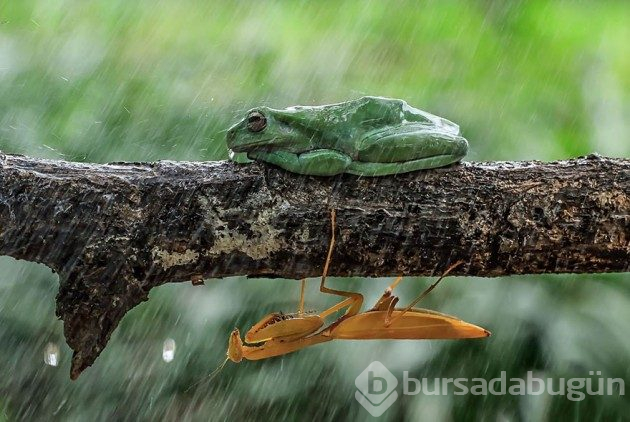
(278,334)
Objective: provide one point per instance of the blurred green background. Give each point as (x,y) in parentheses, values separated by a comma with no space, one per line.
(116,80)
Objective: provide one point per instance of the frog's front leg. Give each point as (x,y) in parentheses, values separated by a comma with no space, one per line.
(320,162)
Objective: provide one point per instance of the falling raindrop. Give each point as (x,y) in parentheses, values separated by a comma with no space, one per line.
(51,354)
(168,350)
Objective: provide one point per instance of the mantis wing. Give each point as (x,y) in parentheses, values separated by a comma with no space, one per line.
(412,324)
(286,326)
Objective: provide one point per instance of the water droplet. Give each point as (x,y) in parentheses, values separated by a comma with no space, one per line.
(51,354)
(168,350)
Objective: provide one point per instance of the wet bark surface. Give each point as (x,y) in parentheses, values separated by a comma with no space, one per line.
(114,231)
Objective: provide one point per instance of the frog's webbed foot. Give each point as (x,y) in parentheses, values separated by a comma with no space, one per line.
(320,162)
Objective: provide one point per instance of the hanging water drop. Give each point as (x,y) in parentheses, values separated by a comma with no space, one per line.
(168,350)
(51,354)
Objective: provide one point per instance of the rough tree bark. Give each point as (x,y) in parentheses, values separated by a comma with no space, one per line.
(114,231)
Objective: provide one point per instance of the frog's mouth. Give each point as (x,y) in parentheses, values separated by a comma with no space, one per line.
(261,146)
(247,145)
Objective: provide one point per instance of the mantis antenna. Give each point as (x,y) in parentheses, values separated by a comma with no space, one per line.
(210,376)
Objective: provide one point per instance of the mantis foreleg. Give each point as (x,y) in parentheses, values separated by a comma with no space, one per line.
(354,300)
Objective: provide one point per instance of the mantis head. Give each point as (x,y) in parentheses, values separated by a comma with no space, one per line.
(235,347)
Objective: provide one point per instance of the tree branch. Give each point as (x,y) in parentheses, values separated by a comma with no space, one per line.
(114,231)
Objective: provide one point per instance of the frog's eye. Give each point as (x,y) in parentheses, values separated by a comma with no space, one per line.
(256,121)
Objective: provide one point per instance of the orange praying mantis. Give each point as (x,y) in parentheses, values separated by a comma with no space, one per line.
(278,334)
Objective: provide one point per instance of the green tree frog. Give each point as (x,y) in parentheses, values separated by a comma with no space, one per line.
(370,136)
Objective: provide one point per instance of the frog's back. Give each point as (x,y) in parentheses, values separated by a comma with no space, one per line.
(352,125)
(367,113)
(377,112)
